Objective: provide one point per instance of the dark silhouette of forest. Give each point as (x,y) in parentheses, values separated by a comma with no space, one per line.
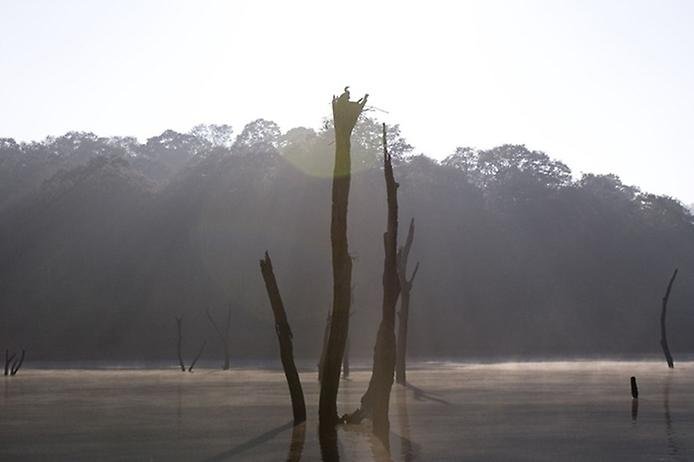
(104,242)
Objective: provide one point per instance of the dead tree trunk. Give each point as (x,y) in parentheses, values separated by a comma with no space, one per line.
(404,314)
(345,115)
(8,361)
(375,401)
(202,348)
(17,364)
(663,330)
(179,321)
(345,360)
(324,349)
(284,335)
(223,337)
(384,354)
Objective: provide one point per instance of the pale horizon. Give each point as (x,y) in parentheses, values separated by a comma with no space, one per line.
(606,88)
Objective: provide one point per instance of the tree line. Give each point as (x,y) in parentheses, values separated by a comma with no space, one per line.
(104,241)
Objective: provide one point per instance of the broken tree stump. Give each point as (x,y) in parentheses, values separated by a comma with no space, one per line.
(345,115)
(284,336)
(634,388)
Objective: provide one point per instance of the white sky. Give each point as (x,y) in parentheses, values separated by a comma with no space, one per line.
(605,86)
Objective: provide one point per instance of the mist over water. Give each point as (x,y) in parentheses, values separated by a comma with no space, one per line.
(542,411)
(497,278)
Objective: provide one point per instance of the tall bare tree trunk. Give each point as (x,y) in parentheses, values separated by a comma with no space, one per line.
(179,321)
(376,400)
(223,336)
(345,115)
(405,288)
(663,329)
(345,361)
(284,335)
(324,349)
(384,354)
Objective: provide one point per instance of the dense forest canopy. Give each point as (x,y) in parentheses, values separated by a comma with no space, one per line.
(104,241)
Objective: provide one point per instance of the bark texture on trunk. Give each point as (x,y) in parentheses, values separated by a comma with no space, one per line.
(284,336)
(663,329)
(404,314)
(345,115)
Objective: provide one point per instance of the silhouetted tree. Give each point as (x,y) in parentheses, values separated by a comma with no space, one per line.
(144,230)
(195,361)
(12,363)
(375,401)
(404,314)
(223,336)
(284,336)
(345,115)
(8,361)
(17,364)
(663,327)
(179,342)
(384,352)
(324,348)
(345,360)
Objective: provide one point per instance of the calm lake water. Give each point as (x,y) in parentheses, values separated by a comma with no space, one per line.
(539,411)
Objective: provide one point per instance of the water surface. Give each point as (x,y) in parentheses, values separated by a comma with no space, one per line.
(539,411)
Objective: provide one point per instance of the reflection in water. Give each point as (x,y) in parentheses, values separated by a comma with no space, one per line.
(673,448)
(179,414)
(257,441)
(421,395)
(379,453)
(296,446)
(634,409)
(407,449)
(328,444)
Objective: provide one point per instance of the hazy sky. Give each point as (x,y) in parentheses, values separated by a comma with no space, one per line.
(606,86)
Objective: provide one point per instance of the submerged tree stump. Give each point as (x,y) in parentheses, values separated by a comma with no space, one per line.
(284,336)
(345,115)
(663,329)
(634,388)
